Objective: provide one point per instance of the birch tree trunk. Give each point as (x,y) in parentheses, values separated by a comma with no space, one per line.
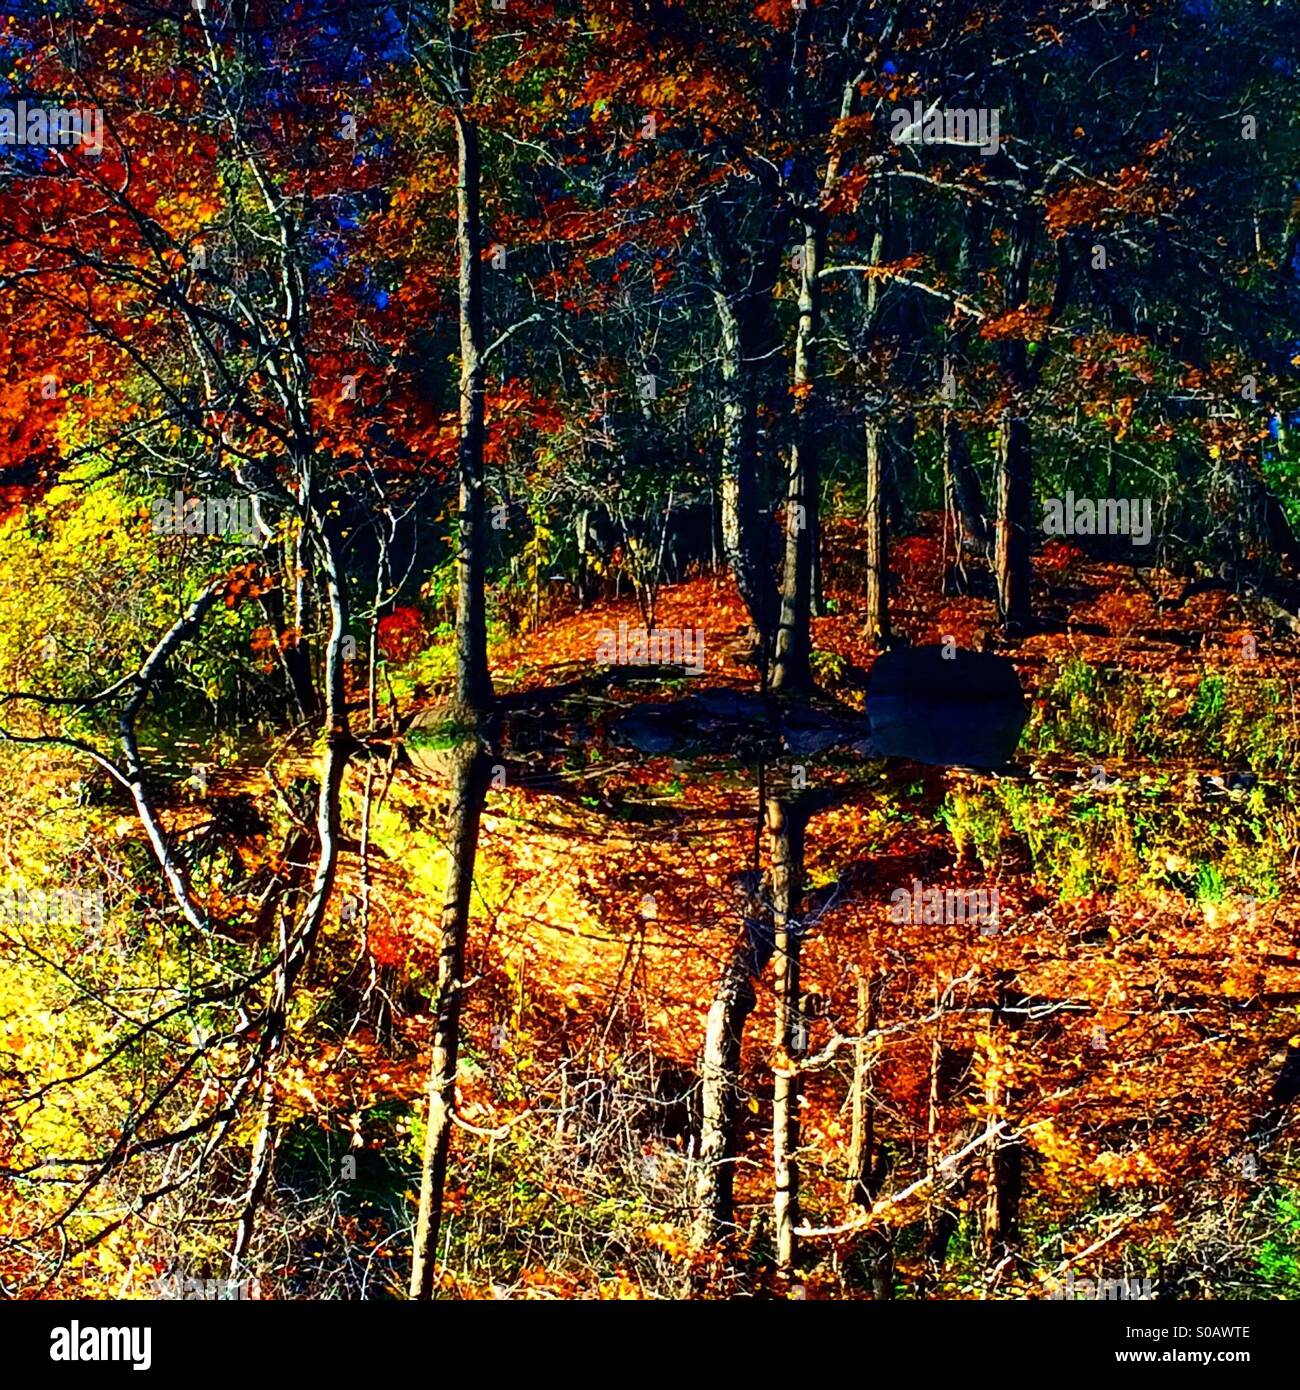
(792,671)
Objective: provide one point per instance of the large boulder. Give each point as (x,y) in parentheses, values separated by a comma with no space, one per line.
(945,706)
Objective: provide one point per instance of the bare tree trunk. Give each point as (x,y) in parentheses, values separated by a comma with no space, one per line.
(861,1110)
(582,536)
(785,829)
(962,497)
(1002,1195)
(866,1170)
(468,788)
(473,682)
(801,576)
(1005,1161)
(742,533)
(793,666)
(294,656)
(720,1082)
(296,950)
(964,508)
(817,605)
(1015,449)
(876,628)
(714,1182)
(900,469)
(259,1173)
(940,1223)
(1014,530)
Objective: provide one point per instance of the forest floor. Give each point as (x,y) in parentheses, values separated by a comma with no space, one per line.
(1127,1013)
